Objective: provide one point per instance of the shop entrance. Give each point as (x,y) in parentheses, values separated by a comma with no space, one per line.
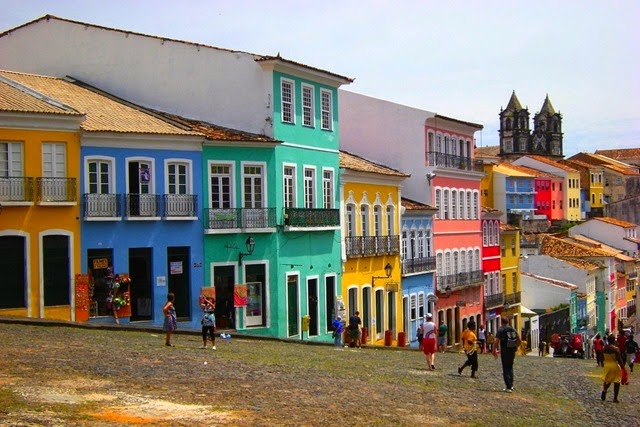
(179,261)
(98,260)
(12,264)
(56,269)
(224,281)
(141,273)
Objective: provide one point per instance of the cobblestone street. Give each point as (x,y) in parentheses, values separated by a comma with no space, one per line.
(55,375)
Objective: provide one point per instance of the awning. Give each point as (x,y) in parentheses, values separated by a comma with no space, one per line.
(524,311)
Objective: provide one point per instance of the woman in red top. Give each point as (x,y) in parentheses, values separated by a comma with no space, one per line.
(598,348)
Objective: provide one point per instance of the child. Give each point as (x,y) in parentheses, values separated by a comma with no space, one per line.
(208,321)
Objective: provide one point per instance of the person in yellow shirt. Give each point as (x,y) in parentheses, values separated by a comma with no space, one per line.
(470,348)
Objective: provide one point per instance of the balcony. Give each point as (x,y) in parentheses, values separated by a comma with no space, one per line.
(302,218)
(460,280)
(142,206)
(450,161)
(180,206)
(359,246)
(228,219)
(418,265)
(56,191)
(102,207)
(16,190)
(513,299)
(493,301)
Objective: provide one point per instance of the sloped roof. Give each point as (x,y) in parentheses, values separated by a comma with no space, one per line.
(359,164)
(528,171)
(19,99)
(104,112)
(560,248)
(606,162)
(514,103)
(552,162)
(614,221)
(488,151)
(510,169)
(547,108)
(412,205)
(560,283)
(508,227)
(581,263)
(621,153)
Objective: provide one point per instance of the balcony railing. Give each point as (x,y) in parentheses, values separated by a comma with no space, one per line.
(460,280)
(102,205)
(231,218)
(513,298)
(142,205)
(492,301)
(16,189)
(358,246)
(449,161)
(302,217)
(418,265)
(180,205)
(56,190)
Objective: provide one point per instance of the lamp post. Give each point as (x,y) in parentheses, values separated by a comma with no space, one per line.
(388,269)
(251,245)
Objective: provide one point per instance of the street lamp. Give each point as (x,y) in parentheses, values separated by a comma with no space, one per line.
(251,245)
(388,269)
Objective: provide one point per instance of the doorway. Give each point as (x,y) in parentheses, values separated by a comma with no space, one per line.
(256,295)
(140,272)
(312,306)
(293,313)
(56,270)
(224,279)
(13,264)
(179,260)
(99,261)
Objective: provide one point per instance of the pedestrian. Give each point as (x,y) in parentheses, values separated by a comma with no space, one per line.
(208,321)
(355,329)
(482,338)
(470,348)
(542,348)
(621,341)
(443,329)
(490,340)
(613,366)
(631,348)
(338,328)
(429,342)
(598,348)
(420,335)
(506,342)
(170,323)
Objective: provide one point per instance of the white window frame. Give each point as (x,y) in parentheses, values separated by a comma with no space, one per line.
(308,105)
(326,109)
(287,103)
(170,188)
(365,222)
(309,187)
(390,215)
(54,162)
(328,201)
(289,185)
(251,202)
(230,175)
(377,220)
(111,174)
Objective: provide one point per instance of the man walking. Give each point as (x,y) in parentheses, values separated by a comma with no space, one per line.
(507,342)
(442,336)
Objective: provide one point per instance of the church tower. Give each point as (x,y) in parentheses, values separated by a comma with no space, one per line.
(514,129)
(546,139)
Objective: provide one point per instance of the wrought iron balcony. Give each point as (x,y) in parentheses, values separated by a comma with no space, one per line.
(233,218)
(56,190)
(513,298)
(302,217)
(358,246)
(16,189)
(418,265)
(180,205)
(450,161)
(492,301)
(142,205)
(460,280)
(102,206)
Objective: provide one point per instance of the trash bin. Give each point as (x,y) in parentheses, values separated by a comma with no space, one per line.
(388,337)
(402,339)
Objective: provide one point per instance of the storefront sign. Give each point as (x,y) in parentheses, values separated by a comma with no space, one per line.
(100,263)
(175,267)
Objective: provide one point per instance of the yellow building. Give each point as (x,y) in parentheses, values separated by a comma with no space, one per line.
(370,207)
(510,274)
(39,220)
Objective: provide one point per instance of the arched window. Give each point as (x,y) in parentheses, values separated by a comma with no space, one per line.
(438,203)
(391,229)
(462,262)
(485,232)
(351,220)
(461,205)
(445,204)
(507,123)
(454,204)
(377,220)
(364,220)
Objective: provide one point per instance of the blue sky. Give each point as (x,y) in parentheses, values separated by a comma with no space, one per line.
(459,59)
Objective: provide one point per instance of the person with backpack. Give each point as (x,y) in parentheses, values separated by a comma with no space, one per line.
(631,348)
(507,342)
(420,335)
(598,348)
(338,329)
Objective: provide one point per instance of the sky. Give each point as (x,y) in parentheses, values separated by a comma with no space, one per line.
(460,59)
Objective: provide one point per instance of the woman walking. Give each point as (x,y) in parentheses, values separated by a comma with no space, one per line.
(612,371)
(170,323)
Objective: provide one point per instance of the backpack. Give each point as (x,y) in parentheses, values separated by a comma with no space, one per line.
(512,338)
(419,333)
(631,346)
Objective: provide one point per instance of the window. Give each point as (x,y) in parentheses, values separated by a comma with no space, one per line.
(403,248)
(364,220)
(178,178)
(485,233)
(286,89)
(428,249)
(351,220)
(413,304)
(307,105)
(11,165)
(326,109)
(461,205)
(54,160)
(421,311)
(377,220)
(420,244)
(309,188)
(454,204)
(252,183)
(327,189)
(289,186)
(220,186)
(446,204)
(438,203)
(503,251)
(469,216)
(475,205)
(391,230)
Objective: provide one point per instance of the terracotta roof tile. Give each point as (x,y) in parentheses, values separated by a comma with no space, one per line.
(614,221)
(489,151)
(621,153)
(554,282)
(359,164)
(104,113)
(552,162)
(508,227)
(17,98)
(412,205)
(560,248)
